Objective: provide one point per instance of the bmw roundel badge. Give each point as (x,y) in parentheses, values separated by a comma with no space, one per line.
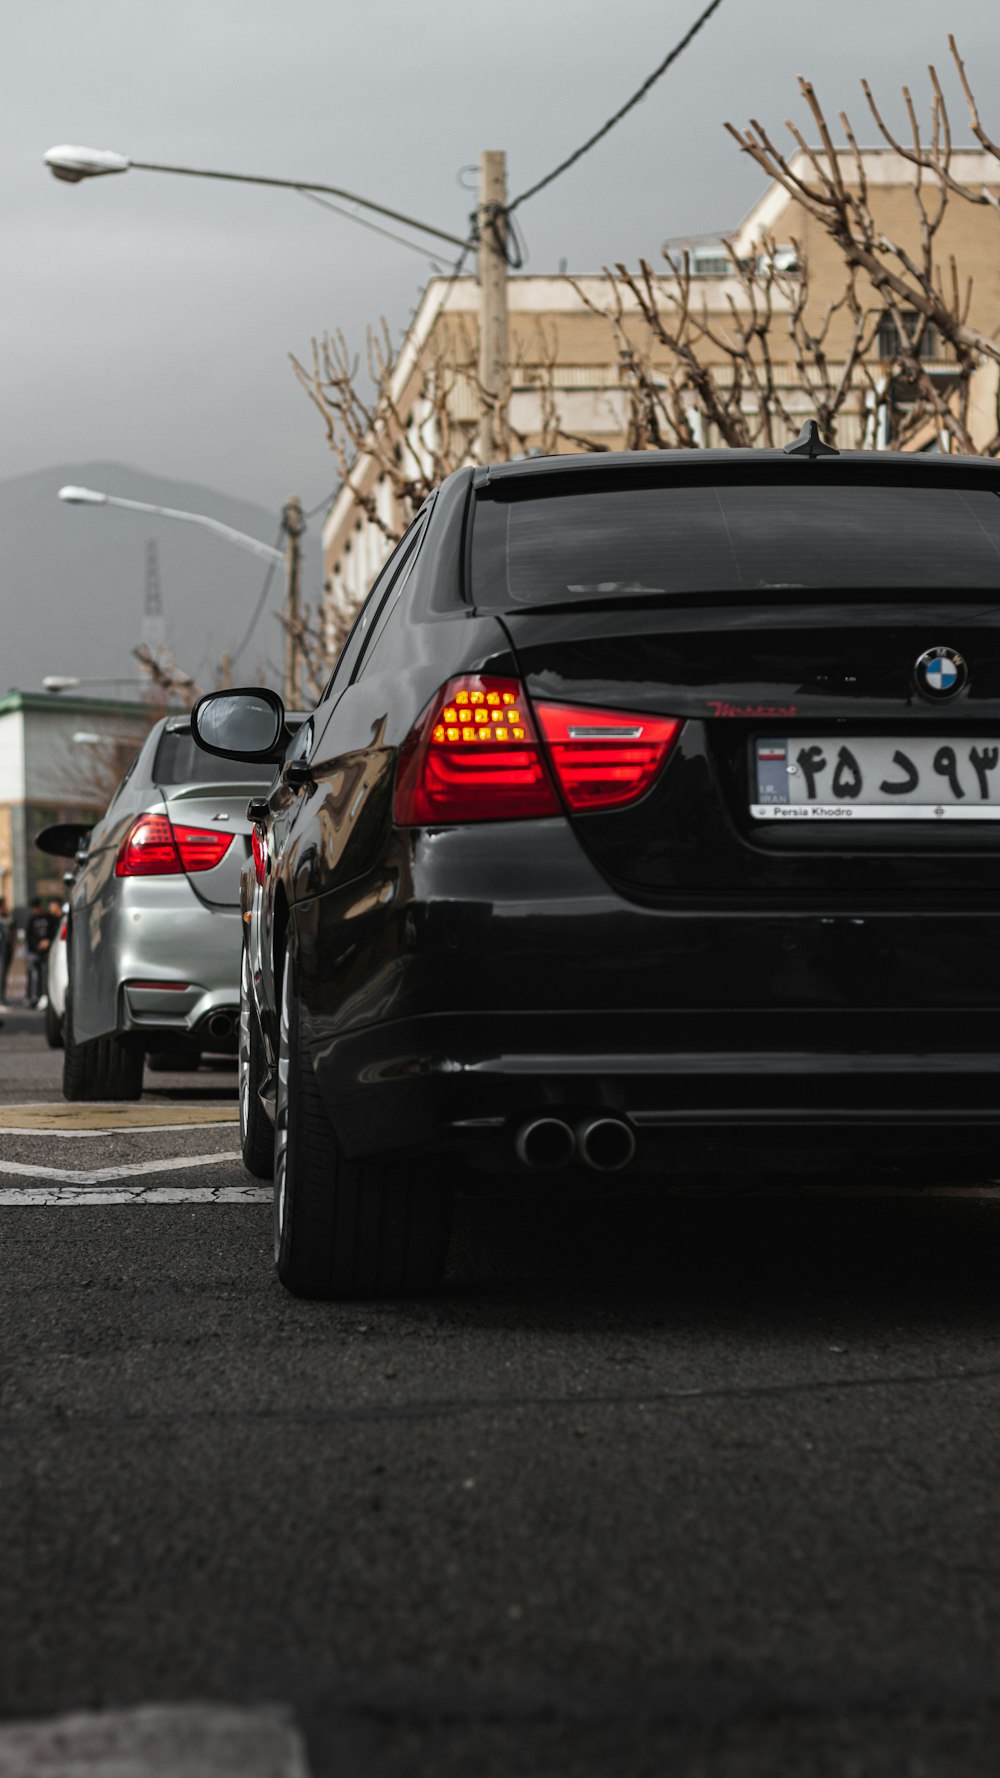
(941,673)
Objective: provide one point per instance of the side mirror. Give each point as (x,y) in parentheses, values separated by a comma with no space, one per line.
(246,724)
(64,840)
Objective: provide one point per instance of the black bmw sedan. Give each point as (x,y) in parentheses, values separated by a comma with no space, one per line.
(652,812)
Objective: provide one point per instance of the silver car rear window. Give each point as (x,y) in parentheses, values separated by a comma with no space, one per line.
(179,760)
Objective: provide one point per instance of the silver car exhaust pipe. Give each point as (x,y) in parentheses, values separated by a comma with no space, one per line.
(545,1143)
(605,1143)
(221,1024)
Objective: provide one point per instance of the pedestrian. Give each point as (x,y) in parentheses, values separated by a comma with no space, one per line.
(37,940)
(6,950)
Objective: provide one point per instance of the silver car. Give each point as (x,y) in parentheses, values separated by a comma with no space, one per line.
(154,923)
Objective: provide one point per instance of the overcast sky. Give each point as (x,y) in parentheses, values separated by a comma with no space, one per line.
(147,319)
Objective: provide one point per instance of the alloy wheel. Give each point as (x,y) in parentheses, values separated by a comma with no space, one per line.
(281,1112)
(245,1084)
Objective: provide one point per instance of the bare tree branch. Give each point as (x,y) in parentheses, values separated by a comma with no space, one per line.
(889,358)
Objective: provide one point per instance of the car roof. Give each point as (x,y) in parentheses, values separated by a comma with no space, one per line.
(530,473)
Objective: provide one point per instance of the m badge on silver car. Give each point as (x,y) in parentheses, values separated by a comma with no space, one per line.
(940,673)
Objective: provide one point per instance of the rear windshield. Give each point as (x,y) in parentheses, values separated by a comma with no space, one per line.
(179,760)
(733,537)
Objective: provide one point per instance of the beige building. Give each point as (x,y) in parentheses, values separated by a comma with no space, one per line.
(565,359)
(60,760)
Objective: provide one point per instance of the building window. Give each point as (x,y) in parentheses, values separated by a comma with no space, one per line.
(889,340)
(711,265)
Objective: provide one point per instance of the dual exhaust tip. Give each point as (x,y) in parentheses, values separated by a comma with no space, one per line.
(546,1143)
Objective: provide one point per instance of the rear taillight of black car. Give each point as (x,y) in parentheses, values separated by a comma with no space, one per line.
(481,753)
(602,758)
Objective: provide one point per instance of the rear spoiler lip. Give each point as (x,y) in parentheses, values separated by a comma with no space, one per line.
(753,604)
(528,477)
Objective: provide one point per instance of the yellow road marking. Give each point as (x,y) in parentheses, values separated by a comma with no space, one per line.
(113,1117)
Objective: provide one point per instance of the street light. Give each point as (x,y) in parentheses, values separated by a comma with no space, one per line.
(90,497)
(66,682)
(73,164)
(489,231)
(293,525)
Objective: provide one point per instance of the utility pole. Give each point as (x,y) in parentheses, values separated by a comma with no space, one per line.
(492,300)
(153,631)
(294,525)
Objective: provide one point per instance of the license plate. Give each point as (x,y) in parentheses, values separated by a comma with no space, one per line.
(876,778)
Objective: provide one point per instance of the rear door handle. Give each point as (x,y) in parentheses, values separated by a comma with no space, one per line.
(297,774)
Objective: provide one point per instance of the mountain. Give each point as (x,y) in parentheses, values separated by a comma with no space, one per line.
(72,578)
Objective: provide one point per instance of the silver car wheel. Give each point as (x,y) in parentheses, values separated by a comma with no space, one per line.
(281,1112)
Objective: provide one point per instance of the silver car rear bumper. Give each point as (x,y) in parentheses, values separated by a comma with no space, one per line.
(167,961)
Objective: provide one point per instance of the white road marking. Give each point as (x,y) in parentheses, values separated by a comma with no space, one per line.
(99,1175)
(157,1741)
(118,1130)
(28,1197)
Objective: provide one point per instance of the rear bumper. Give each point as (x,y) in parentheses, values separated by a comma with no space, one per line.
(183,977)
(166,963)
(445,1005)
(416,1083)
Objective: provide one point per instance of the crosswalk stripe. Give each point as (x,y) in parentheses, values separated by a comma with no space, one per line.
(93,1196)
(102,1130)
(157,1741)
(99,1175)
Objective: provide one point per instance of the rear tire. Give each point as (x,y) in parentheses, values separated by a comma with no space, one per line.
(104,1068)
(53,1028)
(256,1128)
(373,1227)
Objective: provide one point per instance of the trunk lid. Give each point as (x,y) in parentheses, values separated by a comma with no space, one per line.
(219,808)
(211,794)
(791,671)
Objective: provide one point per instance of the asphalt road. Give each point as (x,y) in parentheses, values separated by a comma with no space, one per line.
(695,1486)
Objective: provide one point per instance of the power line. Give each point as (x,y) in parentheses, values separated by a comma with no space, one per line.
(336,191)
(508,241)
(376,229)
(456,273)
(258,608)
(591,141)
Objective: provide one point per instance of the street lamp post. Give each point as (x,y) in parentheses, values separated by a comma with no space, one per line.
(290,557)
(90,497)
(67,682)
(74,164)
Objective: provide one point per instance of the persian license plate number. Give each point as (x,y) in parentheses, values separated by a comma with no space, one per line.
(876,778)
